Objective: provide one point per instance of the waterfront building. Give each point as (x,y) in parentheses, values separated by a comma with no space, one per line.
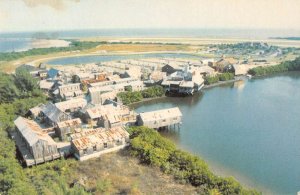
(157,76)
(160,118)
(168,69)
(184,82)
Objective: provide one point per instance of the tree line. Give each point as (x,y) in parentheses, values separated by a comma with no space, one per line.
(18,86)
(129,97)
(208,80)
(74,46)
(293,65)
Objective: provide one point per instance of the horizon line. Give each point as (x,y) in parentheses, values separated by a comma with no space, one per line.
(152,28)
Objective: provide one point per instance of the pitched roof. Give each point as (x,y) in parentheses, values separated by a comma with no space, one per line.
(52,73)
(70,104)
(31,131)
(52,112)
(44,84)
(100,110)
(161,114)
(99,136)
(69,123)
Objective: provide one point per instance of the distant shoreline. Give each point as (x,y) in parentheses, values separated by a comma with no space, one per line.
(287,38)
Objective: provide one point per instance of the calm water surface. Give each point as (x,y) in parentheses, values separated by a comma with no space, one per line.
(250,130)
(105,58)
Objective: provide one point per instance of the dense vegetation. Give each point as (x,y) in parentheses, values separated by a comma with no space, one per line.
(208,80)
(74,46)
(152,149)
(130,97)
(283,67)
(18,86)
(18,93)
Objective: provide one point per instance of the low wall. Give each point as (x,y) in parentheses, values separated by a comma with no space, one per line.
(97,154)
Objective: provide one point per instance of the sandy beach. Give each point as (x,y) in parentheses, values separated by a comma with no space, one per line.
(195,40)
(46,43)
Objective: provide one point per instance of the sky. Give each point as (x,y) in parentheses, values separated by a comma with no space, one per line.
(38,15)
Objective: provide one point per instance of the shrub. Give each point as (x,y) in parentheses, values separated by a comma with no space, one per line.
(130,97)
(152,149)
(283,67)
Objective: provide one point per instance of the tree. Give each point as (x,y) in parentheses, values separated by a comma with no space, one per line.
(75,79)
(8,89)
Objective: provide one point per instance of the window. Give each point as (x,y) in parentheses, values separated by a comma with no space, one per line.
(94,148)
(119,142)
(85,151)
(105,145)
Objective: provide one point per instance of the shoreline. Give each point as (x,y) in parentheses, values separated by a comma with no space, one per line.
(216,168)
(219,170)
(132,105)
(47,59)
(220,83)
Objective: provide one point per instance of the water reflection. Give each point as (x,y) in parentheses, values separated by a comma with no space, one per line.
(171,133)
(239,85)
(251,127)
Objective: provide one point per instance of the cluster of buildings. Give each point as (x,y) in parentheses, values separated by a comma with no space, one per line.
(84,118)
(251,49)
(82,129)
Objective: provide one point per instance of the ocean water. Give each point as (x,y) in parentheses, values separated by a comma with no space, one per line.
(19,45)
(250,130)
(14,44)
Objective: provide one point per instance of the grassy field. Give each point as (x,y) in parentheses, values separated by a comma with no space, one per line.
(119,173)
(197,40)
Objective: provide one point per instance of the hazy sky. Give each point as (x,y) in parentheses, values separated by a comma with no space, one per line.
(34,15)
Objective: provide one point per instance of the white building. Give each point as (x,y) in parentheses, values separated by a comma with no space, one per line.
(160,118)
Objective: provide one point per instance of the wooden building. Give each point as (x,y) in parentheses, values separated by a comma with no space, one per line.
(71,105)
(160,118)
(70,90)
(65,128)
(51,115)
(35,145)
(95,142)
(108,116)
(168,69)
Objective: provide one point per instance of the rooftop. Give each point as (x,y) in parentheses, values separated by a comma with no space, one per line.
(69,123)
(161,114)
(31,131)
(99,136)
(72,103)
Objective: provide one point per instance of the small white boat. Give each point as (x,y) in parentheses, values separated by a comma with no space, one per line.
(249,76)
